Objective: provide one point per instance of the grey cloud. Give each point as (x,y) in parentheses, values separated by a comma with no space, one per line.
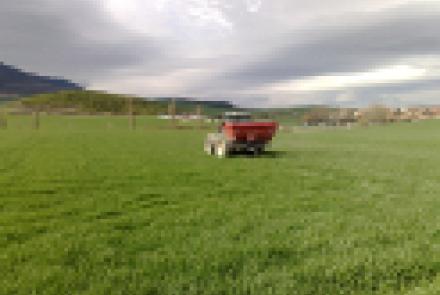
(70,38)
(286,39)
(356,48)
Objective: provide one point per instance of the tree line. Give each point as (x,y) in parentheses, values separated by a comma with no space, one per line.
(92,102)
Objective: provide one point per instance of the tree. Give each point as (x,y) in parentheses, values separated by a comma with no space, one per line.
(375,114)
(317,115)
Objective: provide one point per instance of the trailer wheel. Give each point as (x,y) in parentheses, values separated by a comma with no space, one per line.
(212,149)
(258,151)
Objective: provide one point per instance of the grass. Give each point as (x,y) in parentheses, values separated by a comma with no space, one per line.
(87,207)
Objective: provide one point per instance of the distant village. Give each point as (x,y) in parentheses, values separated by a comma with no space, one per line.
(377,114)
(332,116)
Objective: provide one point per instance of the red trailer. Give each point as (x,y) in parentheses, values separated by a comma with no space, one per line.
(238,133)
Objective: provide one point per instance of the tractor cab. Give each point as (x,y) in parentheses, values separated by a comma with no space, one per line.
(236,117)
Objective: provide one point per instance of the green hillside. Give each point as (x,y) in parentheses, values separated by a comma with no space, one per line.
(96,102)
(92,102)
(101,102)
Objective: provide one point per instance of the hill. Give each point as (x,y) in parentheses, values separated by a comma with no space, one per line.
(85,101)
(15,82)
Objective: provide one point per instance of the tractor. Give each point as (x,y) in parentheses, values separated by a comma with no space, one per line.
(239,133)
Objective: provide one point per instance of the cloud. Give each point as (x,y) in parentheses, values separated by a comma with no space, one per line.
(257,52)
(397,73)
(254,5)
(344,49)
(364,48)
(70,38)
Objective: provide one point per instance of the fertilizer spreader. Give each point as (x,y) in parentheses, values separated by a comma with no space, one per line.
(238,133)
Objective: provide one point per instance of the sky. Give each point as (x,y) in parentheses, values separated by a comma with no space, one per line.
(256,53)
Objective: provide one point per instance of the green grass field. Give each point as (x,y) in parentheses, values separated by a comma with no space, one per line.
(88,207)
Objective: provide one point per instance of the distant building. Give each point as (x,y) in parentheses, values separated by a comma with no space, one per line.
(182,117)
(330,117)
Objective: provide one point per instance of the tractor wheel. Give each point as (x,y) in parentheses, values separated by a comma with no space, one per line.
(221,150)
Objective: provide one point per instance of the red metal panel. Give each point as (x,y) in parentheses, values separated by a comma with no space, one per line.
(250,131)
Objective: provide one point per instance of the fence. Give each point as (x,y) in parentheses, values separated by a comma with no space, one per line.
(85,122)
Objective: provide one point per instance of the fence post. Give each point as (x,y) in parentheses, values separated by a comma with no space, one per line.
(36,119)
(3,120)
(172,111)
(109,121)
(131,116)
(199,115)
